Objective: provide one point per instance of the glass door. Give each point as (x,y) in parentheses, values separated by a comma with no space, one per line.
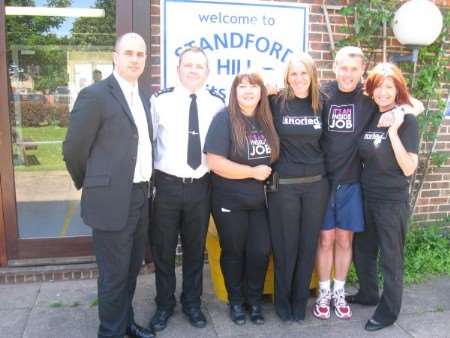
(54,48)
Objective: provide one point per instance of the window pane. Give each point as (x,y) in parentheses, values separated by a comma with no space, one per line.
(54,49)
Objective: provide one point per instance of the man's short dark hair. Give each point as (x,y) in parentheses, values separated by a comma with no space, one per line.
(194,50)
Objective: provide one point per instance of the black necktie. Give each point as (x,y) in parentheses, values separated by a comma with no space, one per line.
(194,155)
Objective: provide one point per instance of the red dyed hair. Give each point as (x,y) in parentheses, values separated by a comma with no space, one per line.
(384,70)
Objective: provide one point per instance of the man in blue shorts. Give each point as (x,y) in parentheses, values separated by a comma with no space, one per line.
(345,115)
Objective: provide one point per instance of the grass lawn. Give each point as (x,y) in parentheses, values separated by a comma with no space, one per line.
(46,156)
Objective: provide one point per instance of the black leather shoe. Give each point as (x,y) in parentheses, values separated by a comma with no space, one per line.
(195,316)
(357,299)
(373,325)
(256,316)
(136,331)
(237,314)
(159,319)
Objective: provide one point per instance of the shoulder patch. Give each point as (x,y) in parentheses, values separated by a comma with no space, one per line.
(216,94)
(163,91)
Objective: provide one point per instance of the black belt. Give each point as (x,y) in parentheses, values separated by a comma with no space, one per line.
(297,180)
(183,180)
(141,184)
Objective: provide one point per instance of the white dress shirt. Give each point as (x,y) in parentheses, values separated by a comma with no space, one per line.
(143,168)
(170,113)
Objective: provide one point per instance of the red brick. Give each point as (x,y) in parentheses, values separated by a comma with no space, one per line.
(444,207)
(320,46)
(337,19)
(430,193)
(423,201)
(426,209)
(440,185)
(421,217)
(437,216)
(155,10)
(316,37)
(318,28)
(316,18)
(316,10)
(440,146)
(327,56)
(434,177)
(439,200)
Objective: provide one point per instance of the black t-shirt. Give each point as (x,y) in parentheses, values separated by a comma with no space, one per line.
(382,177)
(345,116)
(237,193)
(299,131)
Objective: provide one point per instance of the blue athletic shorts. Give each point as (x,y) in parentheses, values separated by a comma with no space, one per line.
(345,209)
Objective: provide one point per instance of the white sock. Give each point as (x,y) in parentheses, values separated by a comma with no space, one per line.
(325,285)
(338,284)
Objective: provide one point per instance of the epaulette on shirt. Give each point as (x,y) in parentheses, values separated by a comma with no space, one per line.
(216,94)
(163,91)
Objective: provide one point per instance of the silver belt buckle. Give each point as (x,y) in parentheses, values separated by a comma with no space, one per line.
(187,180)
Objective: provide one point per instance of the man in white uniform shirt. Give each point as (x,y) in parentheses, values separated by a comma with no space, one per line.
(108,153)
(181,205)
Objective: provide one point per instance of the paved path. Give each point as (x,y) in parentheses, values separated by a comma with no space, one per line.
(64,309)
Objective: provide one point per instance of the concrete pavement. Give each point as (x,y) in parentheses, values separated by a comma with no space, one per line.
(67,309)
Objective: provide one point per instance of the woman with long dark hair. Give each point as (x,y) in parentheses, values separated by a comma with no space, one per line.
(389,156)
(240,145)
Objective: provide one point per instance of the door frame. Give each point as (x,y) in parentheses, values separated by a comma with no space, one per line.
(134,16)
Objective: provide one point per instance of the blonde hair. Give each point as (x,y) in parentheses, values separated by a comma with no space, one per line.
(349,51)
(313,90)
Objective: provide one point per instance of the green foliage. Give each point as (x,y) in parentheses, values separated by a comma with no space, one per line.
(59,304)
(425,78)
(432,72)
(94,303)
(369,17)
(427,253)
(47,65)
(96,31)
(439,159)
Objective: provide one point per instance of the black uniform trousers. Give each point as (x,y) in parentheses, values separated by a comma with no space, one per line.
(245,244)
(179,209)
(296,213)
(119,257)
(385,231)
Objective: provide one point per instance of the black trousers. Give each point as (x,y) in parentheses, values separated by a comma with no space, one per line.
(386,226)
(119,257)
(245,243)
(179,209)
(296,214)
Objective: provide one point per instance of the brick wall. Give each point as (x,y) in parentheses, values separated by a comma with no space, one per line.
(434,199)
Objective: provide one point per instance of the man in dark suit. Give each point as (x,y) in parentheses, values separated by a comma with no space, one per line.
(108,153)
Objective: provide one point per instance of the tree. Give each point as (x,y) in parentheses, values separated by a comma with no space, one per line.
(96,31)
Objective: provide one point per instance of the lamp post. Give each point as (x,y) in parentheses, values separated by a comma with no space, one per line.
(417,23)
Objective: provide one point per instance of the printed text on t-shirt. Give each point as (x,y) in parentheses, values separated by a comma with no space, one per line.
(301,121)
(341,118)
(377,137)
(257,146)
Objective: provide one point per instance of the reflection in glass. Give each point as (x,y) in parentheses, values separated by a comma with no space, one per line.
(50,59)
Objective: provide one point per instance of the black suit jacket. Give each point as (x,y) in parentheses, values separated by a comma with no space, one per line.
(100,152)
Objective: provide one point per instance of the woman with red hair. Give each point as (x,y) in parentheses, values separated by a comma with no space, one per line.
(389,156)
